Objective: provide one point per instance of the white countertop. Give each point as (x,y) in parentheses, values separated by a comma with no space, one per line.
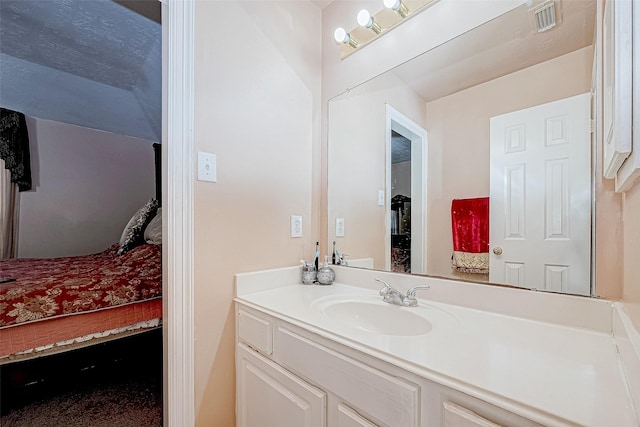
(568,374)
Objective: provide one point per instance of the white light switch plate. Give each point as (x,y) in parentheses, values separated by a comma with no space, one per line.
(339,227)
(296,226)
(207,167)
(380,197)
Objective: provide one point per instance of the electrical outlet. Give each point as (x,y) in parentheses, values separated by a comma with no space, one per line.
(296,226)
(339,227)
(207,168)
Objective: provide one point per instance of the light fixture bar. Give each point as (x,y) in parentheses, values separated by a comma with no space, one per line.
(373,26)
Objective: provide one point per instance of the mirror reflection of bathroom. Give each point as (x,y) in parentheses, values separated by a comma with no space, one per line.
(400,203)
(406,157)
(488,90)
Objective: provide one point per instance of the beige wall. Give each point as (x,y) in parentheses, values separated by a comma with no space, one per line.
(631,221)
(257,106)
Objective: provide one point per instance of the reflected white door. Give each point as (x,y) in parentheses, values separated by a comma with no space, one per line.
(540,210)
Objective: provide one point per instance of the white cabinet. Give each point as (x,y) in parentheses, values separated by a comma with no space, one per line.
(387,399)
(269,396)
(617,48)
(289,376)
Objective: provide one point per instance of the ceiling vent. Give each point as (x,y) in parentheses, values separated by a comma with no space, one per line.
(543,17)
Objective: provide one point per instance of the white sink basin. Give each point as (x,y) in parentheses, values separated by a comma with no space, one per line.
(371,314)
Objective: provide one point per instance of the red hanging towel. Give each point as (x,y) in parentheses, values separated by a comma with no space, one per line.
(470,229)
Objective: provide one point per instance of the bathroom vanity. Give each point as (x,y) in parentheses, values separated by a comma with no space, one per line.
(340,356)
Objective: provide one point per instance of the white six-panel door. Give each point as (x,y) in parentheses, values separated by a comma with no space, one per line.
(540,209)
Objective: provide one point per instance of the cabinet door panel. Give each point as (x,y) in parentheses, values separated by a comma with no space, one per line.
(617,82)
(270,396)
(347,417)
(457,416)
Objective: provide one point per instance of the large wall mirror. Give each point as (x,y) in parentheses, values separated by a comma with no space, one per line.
(474,160)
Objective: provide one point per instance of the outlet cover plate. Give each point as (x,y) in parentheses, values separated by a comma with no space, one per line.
(296,226)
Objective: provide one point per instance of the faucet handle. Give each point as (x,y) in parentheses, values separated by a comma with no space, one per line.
(387,287)
(411,293)
(410,300)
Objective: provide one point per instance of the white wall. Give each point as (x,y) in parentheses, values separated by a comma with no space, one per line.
(86,185)
(257,106)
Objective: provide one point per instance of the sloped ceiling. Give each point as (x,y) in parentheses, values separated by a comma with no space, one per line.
(92,63)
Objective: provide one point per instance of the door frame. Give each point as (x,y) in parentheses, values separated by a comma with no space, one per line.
(397,121)
(178,21)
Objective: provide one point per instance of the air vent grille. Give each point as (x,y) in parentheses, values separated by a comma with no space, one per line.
(545,16)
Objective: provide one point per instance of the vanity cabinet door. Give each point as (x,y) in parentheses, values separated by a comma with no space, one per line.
(347,417)
(457,416)
(270,396)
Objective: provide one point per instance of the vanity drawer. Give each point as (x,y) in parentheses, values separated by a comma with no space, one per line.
(389,400)
(255,330)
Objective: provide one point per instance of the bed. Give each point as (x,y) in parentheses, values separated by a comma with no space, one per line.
(55,304)
(51,305)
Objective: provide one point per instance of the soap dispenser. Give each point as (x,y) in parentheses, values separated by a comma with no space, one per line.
(325,273)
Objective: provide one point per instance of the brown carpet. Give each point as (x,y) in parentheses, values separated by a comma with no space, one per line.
(133,404)
(114,384)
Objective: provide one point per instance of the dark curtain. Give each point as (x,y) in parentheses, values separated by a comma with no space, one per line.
(14,147)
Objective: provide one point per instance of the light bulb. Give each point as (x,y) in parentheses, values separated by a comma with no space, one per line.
(391,4)
(364,18)
(397,6)
(341,35)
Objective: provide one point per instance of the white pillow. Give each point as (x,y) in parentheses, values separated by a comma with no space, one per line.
(153,232)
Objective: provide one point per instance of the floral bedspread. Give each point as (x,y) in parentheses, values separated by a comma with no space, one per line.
(50,287)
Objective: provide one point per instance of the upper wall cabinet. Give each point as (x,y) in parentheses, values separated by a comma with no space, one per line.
(620,91)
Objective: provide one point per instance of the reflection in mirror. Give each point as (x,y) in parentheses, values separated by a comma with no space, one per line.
(504,113)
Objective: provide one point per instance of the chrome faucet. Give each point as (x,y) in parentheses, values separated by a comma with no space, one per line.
(389,294)
(393,296)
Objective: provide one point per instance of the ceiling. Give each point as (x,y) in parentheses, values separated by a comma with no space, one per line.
(500,47)
(97,63)
(92,63)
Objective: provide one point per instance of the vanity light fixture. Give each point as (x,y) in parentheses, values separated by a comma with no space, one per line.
(341,36)
(371,26)
(366,20)
(397,6)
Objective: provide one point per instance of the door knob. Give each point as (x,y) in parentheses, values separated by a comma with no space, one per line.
(497,250)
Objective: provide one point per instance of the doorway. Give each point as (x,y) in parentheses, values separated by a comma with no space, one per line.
(406,188)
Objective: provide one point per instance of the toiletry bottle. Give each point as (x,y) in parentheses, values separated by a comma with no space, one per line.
(325,274)
(333,254)
(308,273)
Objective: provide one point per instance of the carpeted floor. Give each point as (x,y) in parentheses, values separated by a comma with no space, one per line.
(112,384)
